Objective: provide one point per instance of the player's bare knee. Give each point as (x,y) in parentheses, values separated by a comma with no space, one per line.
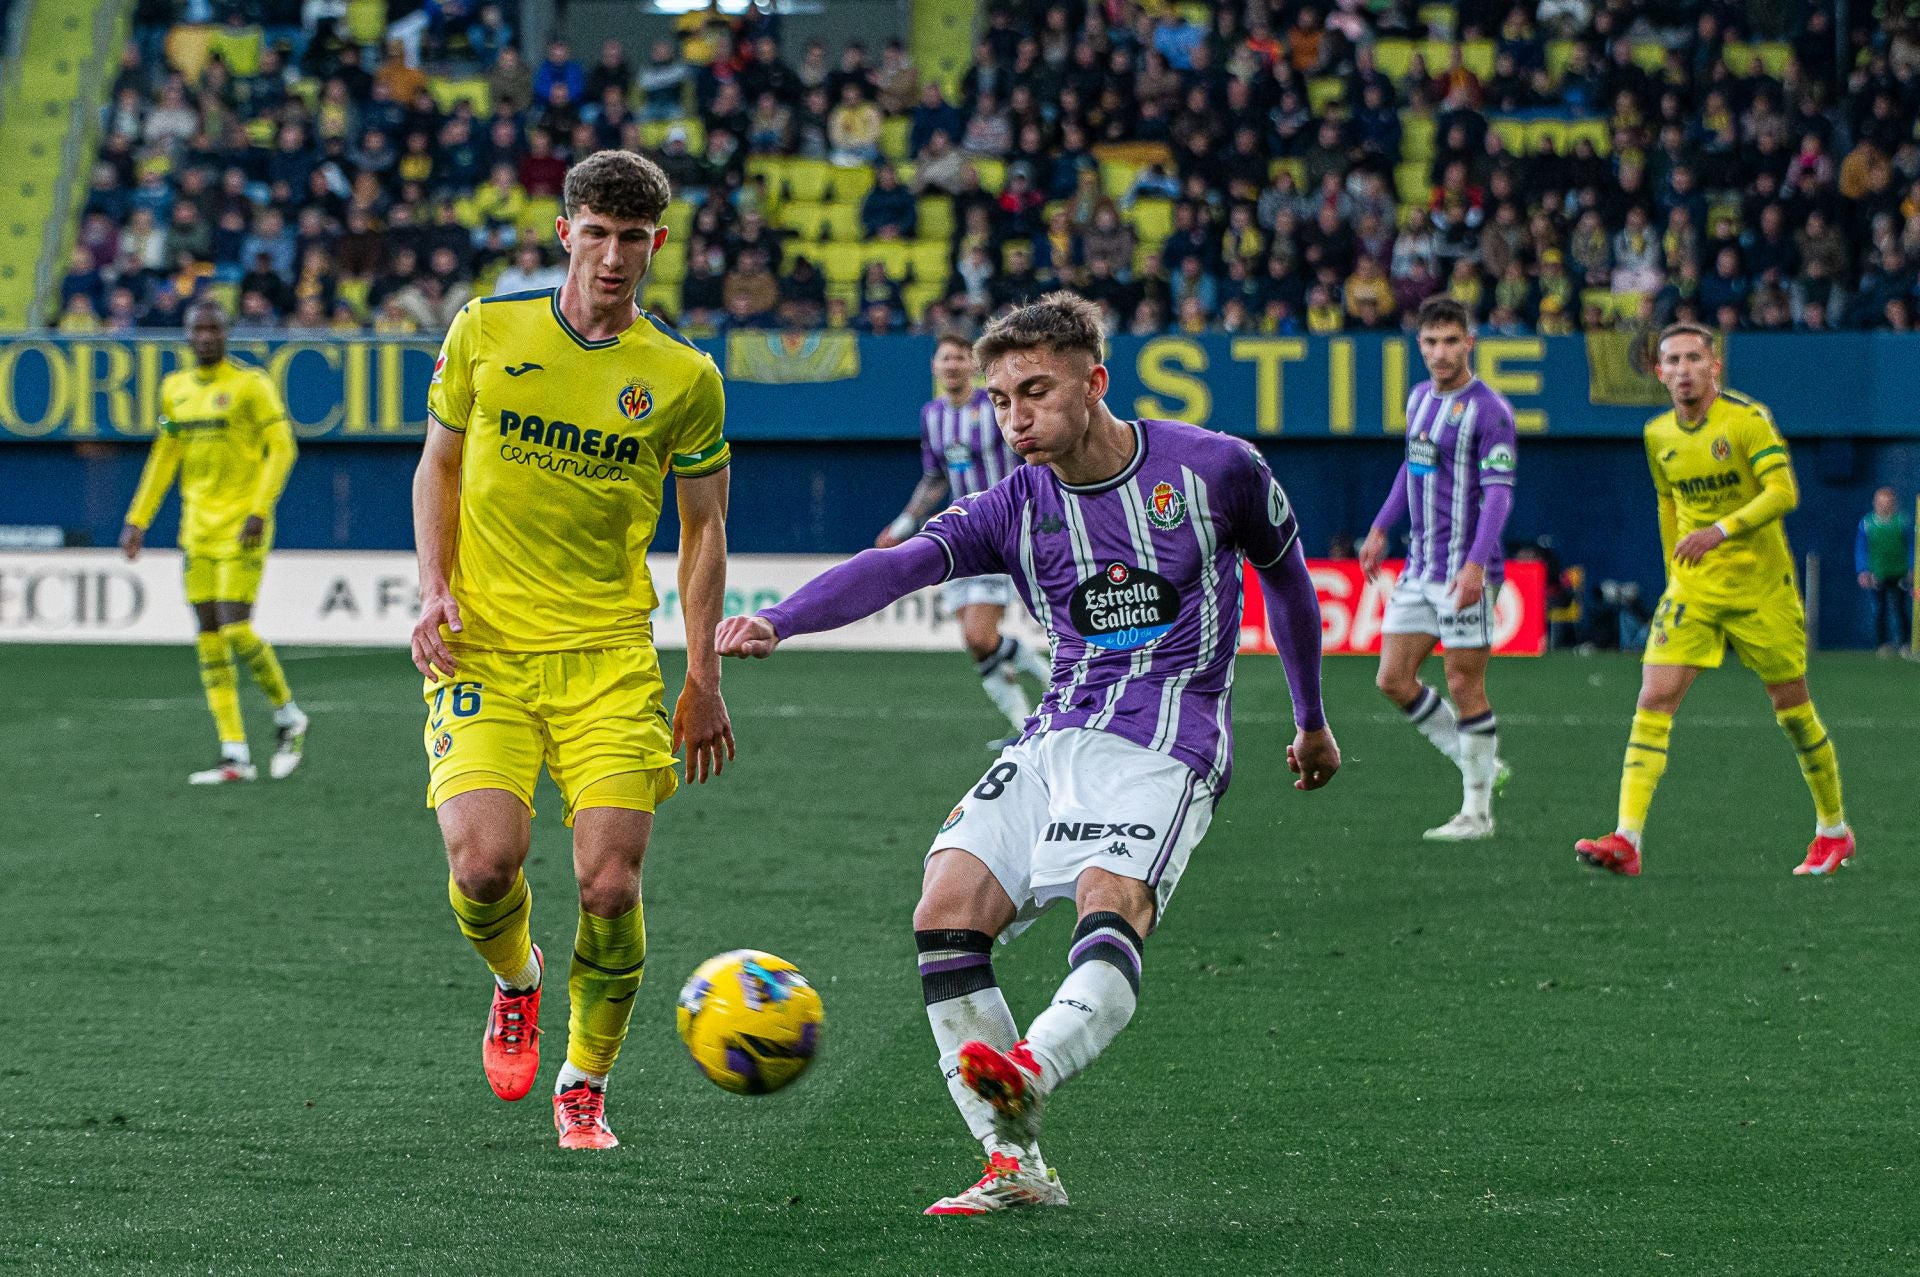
(481,872)
(1100,892)
(1397,686)
(1788,695)
(611,891)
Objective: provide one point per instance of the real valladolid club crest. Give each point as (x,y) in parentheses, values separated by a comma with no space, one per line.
(1722,449)
(636,401)
(1166,508)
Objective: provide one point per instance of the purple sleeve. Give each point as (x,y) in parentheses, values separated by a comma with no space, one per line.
(1496,448)
(1394,509)
(1293,617)
(1496,503)
(971,532)
(1264,525)
(858,588)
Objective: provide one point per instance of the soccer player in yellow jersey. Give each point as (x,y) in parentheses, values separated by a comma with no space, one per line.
(553,419)
(224,432)
(1721,471)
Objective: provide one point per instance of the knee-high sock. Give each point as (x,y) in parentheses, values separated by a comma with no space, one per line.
(1479,748)
(258,654)
(1002,685)
(964,1004)
(1818,763)
(1031,661)
(1095,1001)
(499,930)
(1430,712)
(223,692)
(1640,771)
(609,955)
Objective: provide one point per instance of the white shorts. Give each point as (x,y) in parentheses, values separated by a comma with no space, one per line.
(969,590)
(1063,802)
(1425,607)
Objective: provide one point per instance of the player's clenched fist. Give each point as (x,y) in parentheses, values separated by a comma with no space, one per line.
(746,636)
(1314,757)
(431,656)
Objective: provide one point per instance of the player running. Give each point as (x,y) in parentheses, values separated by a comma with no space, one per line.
(555,416)
(1125,538)
(1456,489)
(224,431)
(1724,481)
(961,453)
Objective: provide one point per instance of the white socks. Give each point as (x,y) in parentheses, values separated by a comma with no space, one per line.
(236,751)
(1478,746)
(571,1077)
(964,1004)
(527,977)
(1002,683)
(1436,720)
(1095,1001)
(287,715)
(1032,662)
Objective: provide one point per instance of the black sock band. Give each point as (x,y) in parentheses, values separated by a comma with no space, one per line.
(1109,938)
(954,962)
(1421,707)
(1481,725)
(999,656)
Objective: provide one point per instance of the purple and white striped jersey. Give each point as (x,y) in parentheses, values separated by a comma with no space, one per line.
(963,443)
(1138,579)
(1457,445)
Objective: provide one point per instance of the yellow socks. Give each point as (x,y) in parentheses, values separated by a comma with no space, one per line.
(1817,763)
(608,955)
(499,930)
(258,654)
(1640,772)
(223,694)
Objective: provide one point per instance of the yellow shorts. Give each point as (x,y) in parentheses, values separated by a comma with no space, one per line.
(1769,637)
(598,721)
(228,575)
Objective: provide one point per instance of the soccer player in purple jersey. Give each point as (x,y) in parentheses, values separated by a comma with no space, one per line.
(961,453)
(1456,488)
(1125,539)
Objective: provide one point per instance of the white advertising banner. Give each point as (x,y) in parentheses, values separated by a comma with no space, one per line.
(369,599)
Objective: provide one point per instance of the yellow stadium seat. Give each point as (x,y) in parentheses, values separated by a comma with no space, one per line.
(841,263)
(670,263)
(1594,131)
(1392,58)
(850,185)
(1554,131)
(353,291)
(679,215)
(1477,55)
(1438,17)
(920,294)
(1144,255)
(537,217)
(1116,177)
(894,254)
(993,173)
(1416,137)
(367,21)
(1513,133)
(1290,164)
(928,259)
(186,47)
(803,217)
(893,137)
(1559,54)
(653,133)
(659,296)
(842,222)
(1774,58)
(770,167)
(1649,56)
(1325,91)
(1410,182)
(447,93)
(1152,219)
(240,50)
(808,179)
(936,217)
(848,292)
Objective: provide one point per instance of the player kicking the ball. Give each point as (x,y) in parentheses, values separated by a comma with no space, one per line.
(1724,482)
(1125,539)
(961,453)
(1456,489)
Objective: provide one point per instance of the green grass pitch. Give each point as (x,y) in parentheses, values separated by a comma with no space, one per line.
(240,1030)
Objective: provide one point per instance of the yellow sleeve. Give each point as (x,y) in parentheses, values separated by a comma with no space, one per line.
(1663,494)
(450,394)
(163,462)
(1766,453)
(276,432)
(699,447)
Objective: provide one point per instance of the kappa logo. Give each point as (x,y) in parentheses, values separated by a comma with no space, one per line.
(1051,523)
(524,369)
(1722,449)
(636,401)
(1166,507)
(1117,849)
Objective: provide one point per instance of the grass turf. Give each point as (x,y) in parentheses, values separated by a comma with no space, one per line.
(241,1029)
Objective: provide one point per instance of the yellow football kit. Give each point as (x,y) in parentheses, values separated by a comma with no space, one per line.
(565,448)
(224,431)
(1730,468)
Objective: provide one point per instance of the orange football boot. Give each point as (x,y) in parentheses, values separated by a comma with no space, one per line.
(510,1047)
(580,1115)
(1612,853)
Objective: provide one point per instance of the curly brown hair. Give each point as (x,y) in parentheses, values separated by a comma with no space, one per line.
(1059,322)
(618,184)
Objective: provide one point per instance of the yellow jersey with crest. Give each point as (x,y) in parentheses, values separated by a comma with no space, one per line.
(566,444)
(224,431)
(1710,470)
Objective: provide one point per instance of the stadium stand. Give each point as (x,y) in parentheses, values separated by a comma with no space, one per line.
(1557,166)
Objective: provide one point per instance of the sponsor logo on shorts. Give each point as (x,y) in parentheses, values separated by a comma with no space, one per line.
(441,744)
(1117,849)
(1124,607)
(636,401)
(1166,507)
(1093,830)
(954,817)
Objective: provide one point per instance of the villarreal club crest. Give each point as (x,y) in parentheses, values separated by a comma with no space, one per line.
(636,401)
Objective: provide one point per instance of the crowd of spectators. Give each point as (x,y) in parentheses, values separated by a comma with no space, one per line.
(1267,155)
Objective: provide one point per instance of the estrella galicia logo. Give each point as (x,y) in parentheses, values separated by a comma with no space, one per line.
(958,458)
(524,369)
(636,401)
(1722,449)
(1166,507)
(1124,608)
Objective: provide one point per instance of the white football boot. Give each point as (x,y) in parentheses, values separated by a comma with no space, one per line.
(1011,1182)
(287,753)
(228,772)
(1462,828)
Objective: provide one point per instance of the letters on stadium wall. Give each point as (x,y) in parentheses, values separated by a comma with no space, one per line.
(327,597)
(1843,384)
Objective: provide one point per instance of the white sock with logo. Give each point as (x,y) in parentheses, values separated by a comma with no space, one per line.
(1095,1001)
(964,1004)
(236,751)
(571,1077)
(1436,720)
(1479,745)
(1003,685)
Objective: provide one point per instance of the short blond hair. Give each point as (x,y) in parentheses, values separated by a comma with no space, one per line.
(1058,322)
(1686,328)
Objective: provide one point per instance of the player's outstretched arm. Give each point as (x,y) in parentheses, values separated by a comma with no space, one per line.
(436,527)
(156,477)
(841,595)
(700,719)
(1293,617)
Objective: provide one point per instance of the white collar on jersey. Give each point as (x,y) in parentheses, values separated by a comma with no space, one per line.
(1127,472)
